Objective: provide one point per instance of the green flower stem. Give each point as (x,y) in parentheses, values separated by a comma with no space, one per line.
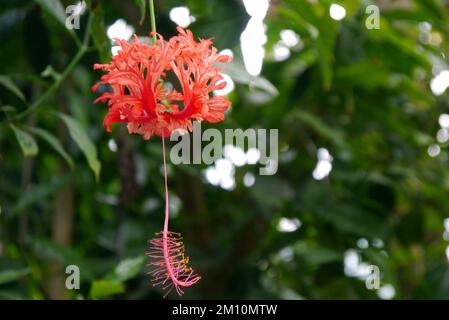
(153,21)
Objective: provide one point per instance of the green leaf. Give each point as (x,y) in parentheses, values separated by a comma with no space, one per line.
(355,75)
(278,188)
(38,193)
(7,109)
(350,219)
(11,86)
(51,73)
(231,22)
(99,36)
(316,255)
(105,288)
(84,142)
(324,39)
(142,6)
(54,142)
(26,141)
(47,250)
(55,8)
(236,70)
(11,295)
(320,127)
(12,275)
(128,268)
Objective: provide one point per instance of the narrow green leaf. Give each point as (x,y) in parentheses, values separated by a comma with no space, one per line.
(38,193)
(55,8)
(128,268)
(142,6)
(84,142)
(12,275)
(99,36)
(54,142)
(11,86)
(48,250)
(7,109)
(236,70)
(333,134)
(105,288)
(26,141)
(52,73)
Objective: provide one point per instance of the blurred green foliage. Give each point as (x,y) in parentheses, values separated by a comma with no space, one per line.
(68,198)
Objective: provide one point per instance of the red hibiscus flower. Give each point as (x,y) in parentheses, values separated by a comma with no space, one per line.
(138,76)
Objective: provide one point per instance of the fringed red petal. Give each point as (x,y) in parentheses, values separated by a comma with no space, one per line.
(139,71)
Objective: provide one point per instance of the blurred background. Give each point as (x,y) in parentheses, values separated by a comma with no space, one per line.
(357,91)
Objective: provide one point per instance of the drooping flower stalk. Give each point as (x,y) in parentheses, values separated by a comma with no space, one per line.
(140,97)
(171,265)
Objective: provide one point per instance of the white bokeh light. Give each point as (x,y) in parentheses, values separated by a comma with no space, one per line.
(386,292)
(252,155)
(324,164)
(323,154)
(227,183)
(252,41)
(115,50)
(351,262)
(221,174)
(322,170)
(112,145)
(354,267)
(230,85)
(443,120)
(227,52)
(120,30)
(446,224)
(425,26)
(181,16)
(288,224)
(443,135)
(337,12)
(446,235)
(235,154)
(433,150)
(249,179)
(256,8)
(281,52)
(253,38)
(440,83)
(228,88)
(224,165)
(213,176)
(289,37)
(286,254)
(362,243)
(377,243)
